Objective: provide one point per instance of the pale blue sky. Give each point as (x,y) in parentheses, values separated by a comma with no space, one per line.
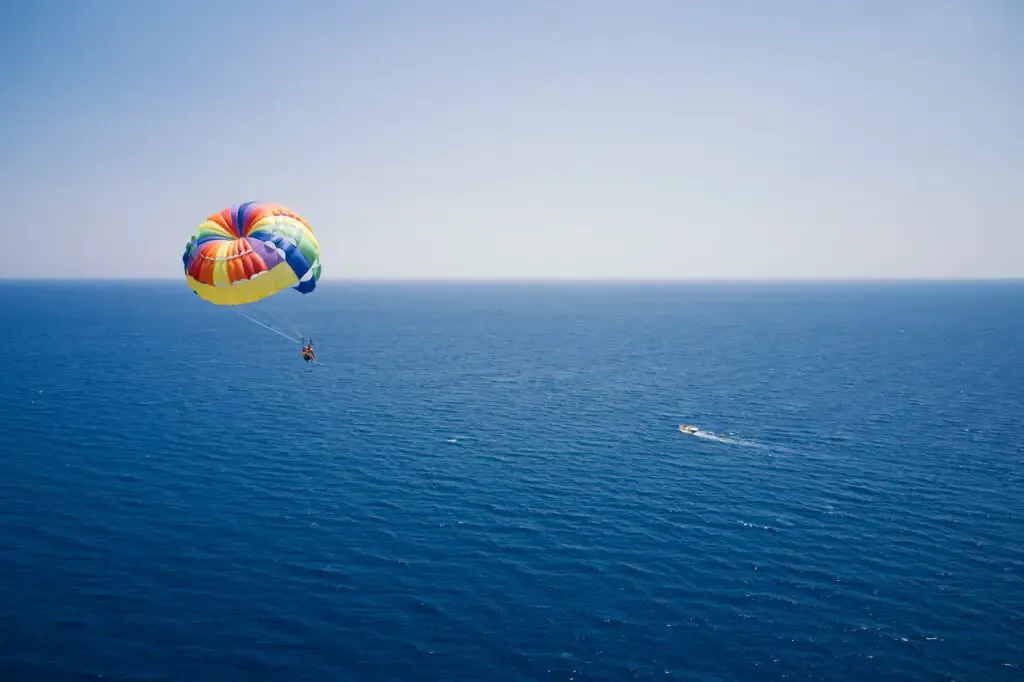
(721,138)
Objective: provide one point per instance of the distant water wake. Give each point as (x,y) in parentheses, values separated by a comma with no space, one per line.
(728,440)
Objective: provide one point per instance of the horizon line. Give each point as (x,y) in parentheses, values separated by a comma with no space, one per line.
(565,280)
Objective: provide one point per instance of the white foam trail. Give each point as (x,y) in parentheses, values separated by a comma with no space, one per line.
(708,435)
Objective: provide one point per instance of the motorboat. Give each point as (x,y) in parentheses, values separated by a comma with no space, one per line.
(688,428)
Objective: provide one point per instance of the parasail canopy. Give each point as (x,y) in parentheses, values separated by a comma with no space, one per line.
(251,251)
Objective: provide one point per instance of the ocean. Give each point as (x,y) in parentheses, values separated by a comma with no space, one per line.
(486,481)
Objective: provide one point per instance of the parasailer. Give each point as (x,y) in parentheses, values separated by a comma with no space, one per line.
(251,252)
(308,353)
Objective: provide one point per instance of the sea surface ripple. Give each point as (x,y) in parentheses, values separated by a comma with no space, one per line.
(487,482)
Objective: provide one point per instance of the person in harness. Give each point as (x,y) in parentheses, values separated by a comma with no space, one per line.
(307,352)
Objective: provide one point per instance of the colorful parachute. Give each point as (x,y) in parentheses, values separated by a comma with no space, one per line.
(249,252)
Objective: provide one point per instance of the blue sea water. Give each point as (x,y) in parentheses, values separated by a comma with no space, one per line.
(487,482)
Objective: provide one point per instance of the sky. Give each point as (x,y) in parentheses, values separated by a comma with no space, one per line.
(638,139)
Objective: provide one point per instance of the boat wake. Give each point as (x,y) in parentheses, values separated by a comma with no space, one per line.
(728,440)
